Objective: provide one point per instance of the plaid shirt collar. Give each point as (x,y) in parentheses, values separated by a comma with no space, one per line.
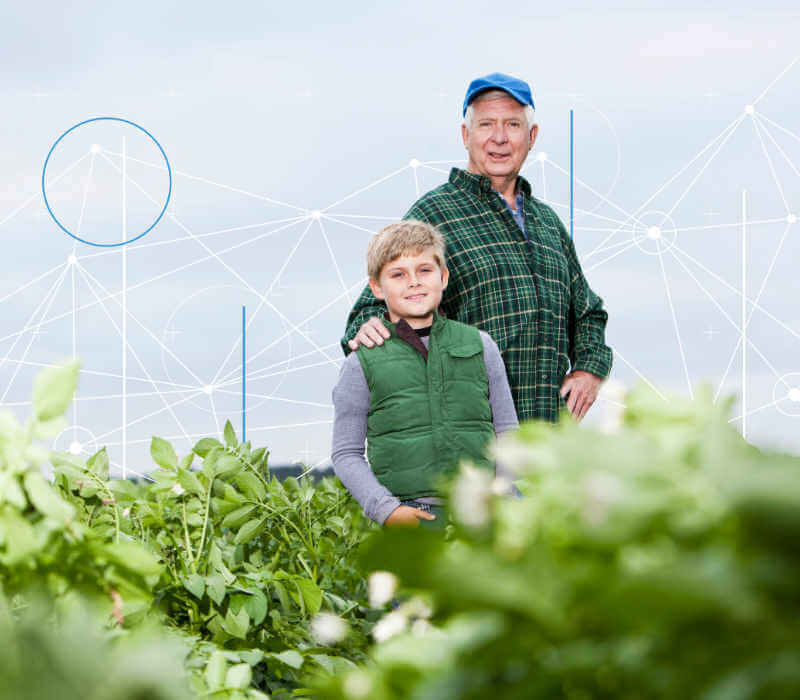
(481,185)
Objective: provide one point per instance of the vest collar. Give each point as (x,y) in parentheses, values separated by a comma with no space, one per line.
(406,333)
(481,185)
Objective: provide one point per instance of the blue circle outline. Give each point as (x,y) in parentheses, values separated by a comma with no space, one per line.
(44,189)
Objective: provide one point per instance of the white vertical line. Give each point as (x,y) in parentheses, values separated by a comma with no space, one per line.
(124,314)
(74,345)
(744,314)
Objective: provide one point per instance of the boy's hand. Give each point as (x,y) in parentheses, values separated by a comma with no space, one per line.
(406,516)
(371,333)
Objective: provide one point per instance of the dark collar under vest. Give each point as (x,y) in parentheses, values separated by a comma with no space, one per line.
(403,330)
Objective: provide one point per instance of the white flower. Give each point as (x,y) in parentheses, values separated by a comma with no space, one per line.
(601,491)
(612,395)
(415,607)
(357,685)
(178,489)
(419,628)
(511,453)
(126,512)
(471,496)
(382,586)
(501,486)
(327,628)
(389,625)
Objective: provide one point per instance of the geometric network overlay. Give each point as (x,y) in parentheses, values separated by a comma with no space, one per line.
(698,275)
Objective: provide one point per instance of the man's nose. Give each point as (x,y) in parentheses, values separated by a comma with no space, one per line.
(499,134)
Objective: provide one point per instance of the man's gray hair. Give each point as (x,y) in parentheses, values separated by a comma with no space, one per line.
(493,94)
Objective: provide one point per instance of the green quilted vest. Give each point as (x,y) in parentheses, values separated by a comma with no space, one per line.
(425,416)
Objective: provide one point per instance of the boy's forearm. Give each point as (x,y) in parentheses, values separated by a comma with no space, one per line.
(354,472)
(351,406)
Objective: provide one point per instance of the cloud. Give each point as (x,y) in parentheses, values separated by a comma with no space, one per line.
(696,41)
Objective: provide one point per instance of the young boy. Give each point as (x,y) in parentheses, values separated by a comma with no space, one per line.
(434,392)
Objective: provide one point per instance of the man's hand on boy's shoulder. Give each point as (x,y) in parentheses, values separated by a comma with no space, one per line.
(406,516)
(371,333)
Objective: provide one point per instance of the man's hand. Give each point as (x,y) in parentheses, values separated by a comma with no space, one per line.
(406,516)
(371,333)
(582,388)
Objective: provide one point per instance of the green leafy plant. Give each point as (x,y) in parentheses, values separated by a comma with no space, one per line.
(656,561)
(213,550)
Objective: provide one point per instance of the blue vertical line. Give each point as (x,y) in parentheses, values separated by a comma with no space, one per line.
(571,176)
(244,373)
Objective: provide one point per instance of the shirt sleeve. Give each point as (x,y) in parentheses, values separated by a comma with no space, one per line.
(504,415)
(351,408)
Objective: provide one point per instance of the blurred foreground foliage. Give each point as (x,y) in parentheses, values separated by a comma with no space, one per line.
(656,560)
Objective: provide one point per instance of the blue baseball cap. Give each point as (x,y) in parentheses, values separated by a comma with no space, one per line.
(518,89)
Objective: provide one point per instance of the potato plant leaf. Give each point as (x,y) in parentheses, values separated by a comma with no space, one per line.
(53,390)
(163,453)
(230,436)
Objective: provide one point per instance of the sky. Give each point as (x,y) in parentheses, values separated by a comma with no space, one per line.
(268,113)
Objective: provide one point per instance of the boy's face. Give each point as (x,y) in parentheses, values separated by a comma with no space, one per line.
(411,286)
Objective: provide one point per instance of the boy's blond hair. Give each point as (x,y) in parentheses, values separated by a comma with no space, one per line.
(394,240)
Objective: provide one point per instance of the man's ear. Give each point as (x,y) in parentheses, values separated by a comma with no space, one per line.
(534,134)
(464,134)
(377,292)
(445,277)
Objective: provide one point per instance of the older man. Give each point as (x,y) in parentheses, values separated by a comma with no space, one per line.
(513,268)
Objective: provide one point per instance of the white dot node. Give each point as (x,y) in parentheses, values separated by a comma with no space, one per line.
(541,157)
(72,260)
(791,219)
(414,163)
(96,148)
(208,389)
(749,109)
(794,395)
(654,232)
(316,214)
(75,448)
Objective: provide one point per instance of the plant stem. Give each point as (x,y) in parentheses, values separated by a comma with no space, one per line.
(205,522)
(186,537)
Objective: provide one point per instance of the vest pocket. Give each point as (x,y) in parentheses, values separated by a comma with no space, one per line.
(465,363)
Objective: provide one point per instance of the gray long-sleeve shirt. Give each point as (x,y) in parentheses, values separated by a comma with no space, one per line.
(351,406)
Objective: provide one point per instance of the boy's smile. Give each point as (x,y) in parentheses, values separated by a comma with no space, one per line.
(412,287)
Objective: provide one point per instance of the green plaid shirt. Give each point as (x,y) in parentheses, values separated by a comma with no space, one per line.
(528,293)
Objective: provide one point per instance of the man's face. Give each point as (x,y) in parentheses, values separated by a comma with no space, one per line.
(411,285)
(499,138)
